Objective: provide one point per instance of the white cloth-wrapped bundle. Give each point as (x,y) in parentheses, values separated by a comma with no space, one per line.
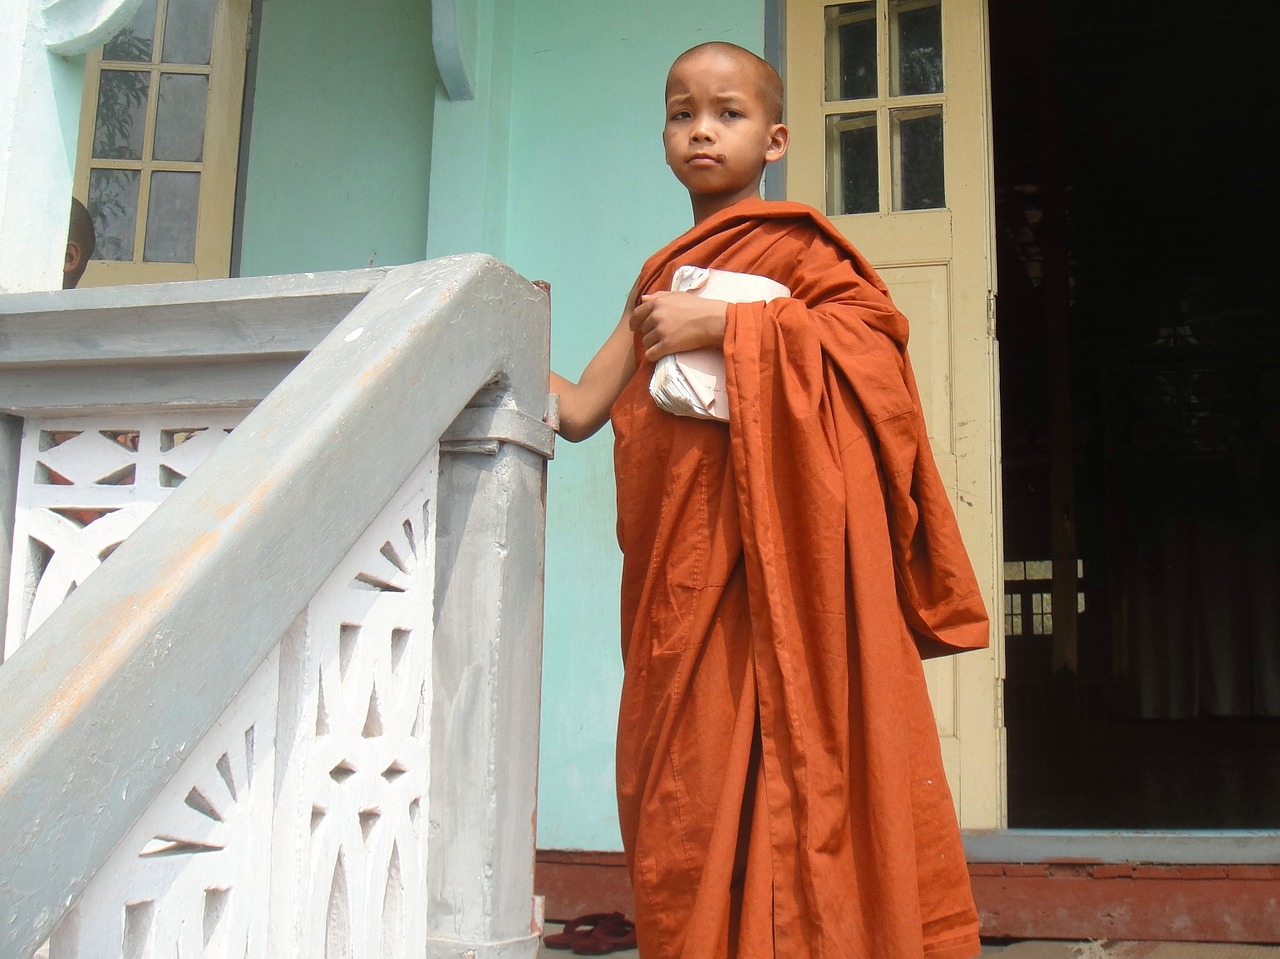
(692,383)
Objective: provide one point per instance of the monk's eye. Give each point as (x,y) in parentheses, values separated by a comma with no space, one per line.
(733,114)
(680,115)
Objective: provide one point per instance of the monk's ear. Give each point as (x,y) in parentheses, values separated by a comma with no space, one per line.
(779,139)
(72,265)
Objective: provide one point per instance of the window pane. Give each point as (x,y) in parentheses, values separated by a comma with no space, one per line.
(1040,569)
(917,162)
(119,124)
(171,218)
(915,44)
(851,51)
(188,31)
(134,42)
(1042,614)
(1012,614)
(113,206)
(180,117)
(852,168)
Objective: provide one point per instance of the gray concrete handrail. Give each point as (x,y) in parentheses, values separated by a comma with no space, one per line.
(205,343)
(104,700)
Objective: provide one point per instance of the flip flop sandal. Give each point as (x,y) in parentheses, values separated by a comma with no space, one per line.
(573,929)
(610,935)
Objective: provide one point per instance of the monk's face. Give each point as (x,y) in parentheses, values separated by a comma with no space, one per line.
(719,132)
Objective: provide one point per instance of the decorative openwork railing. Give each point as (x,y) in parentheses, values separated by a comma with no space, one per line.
(295,713)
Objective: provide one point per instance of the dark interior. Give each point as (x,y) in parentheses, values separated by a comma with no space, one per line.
(1135,161)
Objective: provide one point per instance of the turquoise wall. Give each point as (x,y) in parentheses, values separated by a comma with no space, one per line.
(339,166)
(555,167)
(589,198)
(471,164)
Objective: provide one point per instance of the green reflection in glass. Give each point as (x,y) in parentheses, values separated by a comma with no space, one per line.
(918,168)
(133,44)
(852,166)
(915,43)
(113,207)
(851,51)
(119,123)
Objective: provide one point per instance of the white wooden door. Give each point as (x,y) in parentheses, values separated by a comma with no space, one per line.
(889,111)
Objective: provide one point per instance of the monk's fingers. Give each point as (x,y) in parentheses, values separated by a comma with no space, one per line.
(649,326)
(640,316)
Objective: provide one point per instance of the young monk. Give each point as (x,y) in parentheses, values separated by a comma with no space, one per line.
(780,783)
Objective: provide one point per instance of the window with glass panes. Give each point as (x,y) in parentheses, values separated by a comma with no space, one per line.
(1028,596)
(885,101)
(160,139)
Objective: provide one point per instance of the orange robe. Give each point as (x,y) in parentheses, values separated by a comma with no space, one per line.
(780,782)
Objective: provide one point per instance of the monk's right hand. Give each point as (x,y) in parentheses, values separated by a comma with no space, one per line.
(674,322)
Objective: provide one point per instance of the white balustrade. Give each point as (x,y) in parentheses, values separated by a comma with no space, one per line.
(84,483)
(368,657)
(297,825)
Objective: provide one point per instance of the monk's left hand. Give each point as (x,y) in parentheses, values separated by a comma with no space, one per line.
(673,322)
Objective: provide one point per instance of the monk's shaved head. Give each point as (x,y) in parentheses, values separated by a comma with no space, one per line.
(80,244)
(80,228)
(765,78)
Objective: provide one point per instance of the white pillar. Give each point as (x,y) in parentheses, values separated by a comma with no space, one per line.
(39,120)
(36,161)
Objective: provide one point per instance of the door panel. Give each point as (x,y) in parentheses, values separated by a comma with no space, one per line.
(889,113)
(922,293)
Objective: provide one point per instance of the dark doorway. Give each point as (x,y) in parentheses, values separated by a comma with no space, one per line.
(1136,168)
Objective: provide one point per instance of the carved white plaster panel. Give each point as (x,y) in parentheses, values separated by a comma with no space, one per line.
(296,827)
(84,484)
(349,863)
(189,879)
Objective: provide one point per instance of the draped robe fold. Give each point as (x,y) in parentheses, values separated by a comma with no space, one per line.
(780,781)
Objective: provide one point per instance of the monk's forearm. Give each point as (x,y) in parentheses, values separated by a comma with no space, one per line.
(572,424)
(585,405)
(583,410)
